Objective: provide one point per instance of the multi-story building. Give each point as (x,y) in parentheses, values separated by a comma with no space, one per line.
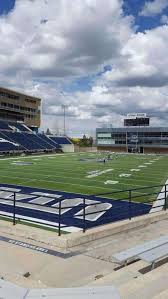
(136,138)
(16,106)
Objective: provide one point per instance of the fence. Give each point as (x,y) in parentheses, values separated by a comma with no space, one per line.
(126,204)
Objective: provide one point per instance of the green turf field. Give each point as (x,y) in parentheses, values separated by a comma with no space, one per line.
(66,172)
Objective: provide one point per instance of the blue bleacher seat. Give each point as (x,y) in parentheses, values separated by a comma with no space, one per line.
(19,126)
(28,141)
(4,125)
(17,136)
(44,140)
(49,140)
(13,126)
(6,145)
(60,140)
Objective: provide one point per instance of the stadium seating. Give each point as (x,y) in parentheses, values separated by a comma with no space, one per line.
(19,126)
(6,145)
(134,252)
(60,140)
(20,139)
(13,126)
(49,141)
(4,125)
(16,136)
(29,141)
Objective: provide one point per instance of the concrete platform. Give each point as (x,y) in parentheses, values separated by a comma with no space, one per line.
(81,265)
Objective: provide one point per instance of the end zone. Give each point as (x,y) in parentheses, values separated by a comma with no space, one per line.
(43,207)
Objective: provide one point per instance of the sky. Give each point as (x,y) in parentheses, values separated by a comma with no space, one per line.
(101,59)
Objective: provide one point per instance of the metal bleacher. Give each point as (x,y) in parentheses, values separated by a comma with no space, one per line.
(60,140)
(4,125)
(18,126)
(155,254)
(143,251)
(50,141)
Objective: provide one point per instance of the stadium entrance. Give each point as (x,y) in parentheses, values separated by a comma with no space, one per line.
(133,149)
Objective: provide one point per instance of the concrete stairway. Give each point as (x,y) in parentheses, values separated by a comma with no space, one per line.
(120,276)
(134,285)
(162,295)
(146,286)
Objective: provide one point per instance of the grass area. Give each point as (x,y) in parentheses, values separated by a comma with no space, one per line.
(31,224)
(69,172)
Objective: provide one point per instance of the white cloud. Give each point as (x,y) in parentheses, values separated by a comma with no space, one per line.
(49,43)
(76,37)
(164,19)
(144,62)
(152,8)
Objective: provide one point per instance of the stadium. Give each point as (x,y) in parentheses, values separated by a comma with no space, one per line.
(83,149)
(46,185)
(135,136)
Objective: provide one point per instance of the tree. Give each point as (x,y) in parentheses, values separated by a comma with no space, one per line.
(84,140)
(90,141)
(75,140)
(48,132)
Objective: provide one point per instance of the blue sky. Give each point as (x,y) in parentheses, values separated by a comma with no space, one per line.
(6,6)
(133,7)
(100,58)
(130,8)
(141,23)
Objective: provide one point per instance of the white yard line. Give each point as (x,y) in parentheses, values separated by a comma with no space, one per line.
(96,180)
(38,156)
(56,182)
(74,178)
(75,192)
(40,169)
(67,177)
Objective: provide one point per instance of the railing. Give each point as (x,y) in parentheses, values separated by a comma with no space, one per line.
(126,204)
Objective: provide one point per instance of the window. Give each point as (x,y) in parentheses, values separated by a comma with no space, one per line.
(9,96)
(10,105)
(30,101)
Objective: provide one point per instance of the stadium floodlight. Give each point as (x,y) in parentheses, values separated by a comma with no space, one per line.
(64,115)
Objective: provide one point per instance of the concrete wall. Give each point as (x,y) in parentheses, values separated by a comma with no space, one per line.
(68,148)
(85,149)
(155,150)
(147,150)
(111,148)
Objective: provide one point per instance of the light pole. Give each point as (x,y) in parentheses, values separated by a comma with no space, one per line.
(64,115)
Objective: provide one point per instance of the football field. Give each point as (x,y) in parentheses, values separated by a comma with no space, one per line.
(82,190)
(86,173)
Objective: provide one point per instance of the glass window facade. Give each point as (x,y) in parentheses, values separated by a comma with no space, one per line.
(146,136)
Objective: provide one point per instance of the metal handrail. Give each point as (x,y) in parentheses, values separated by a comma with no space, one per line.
(130,198)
